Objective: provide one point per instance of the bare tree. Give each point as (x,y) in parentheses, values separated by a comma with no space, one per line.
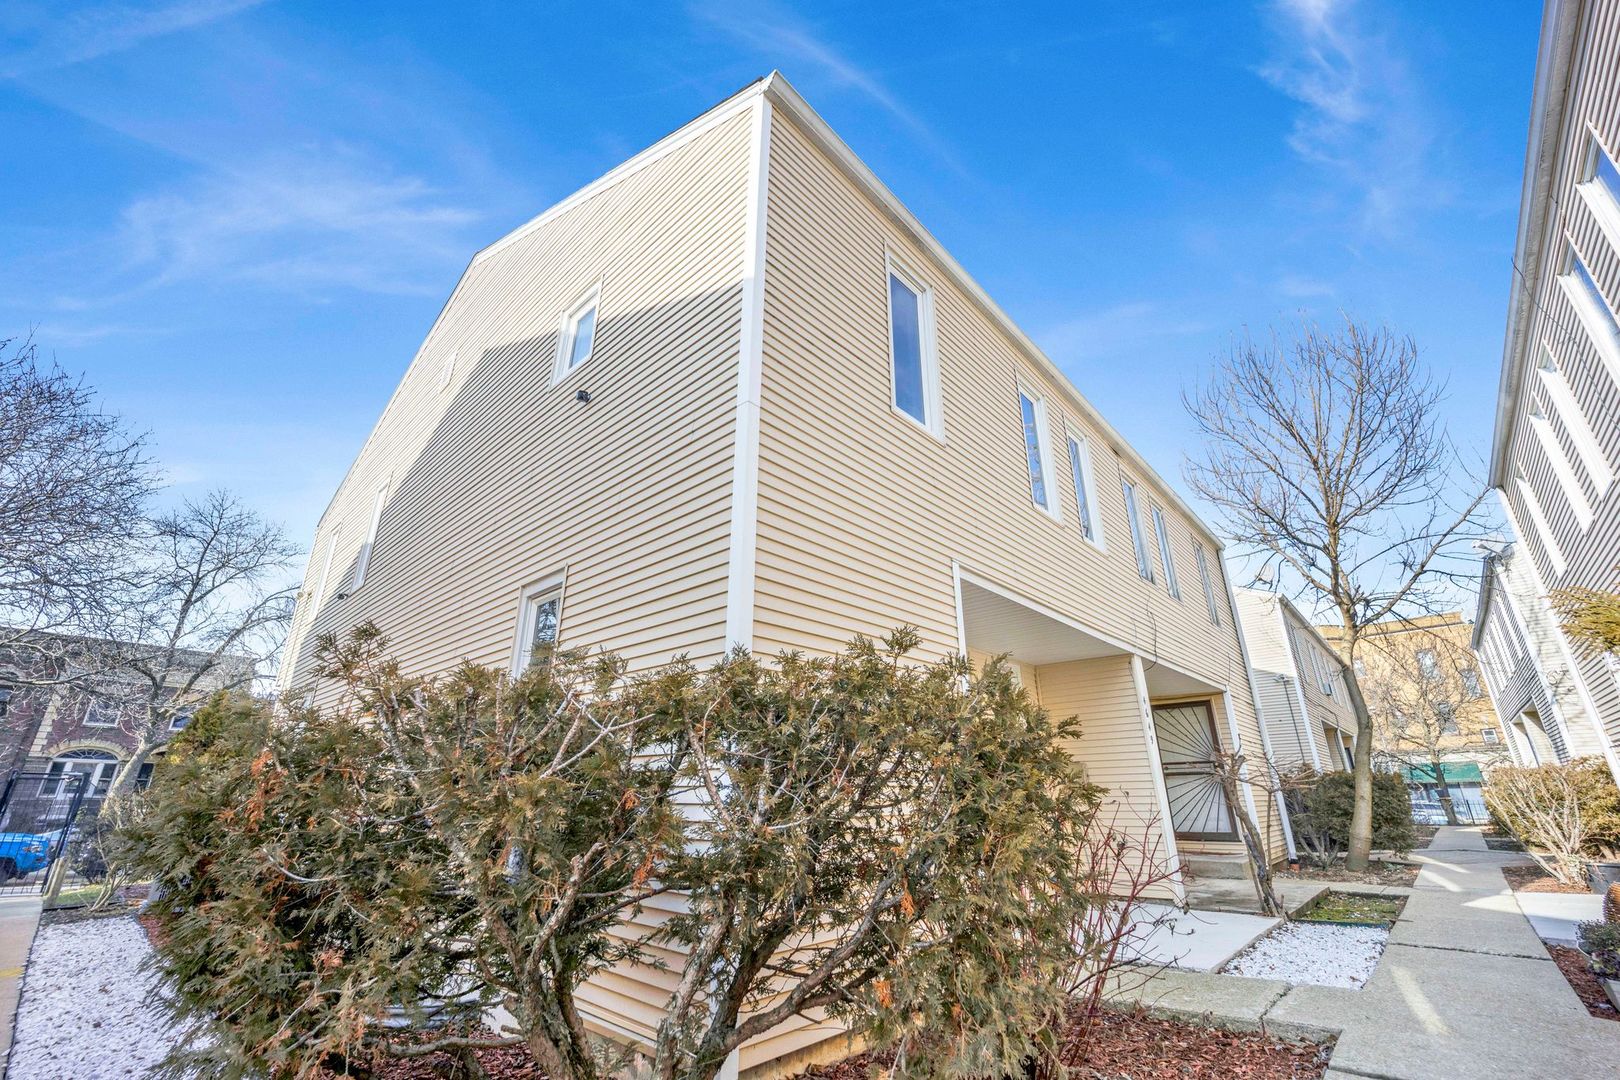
(209,605)
(73,487)
(1325,454)
(1420,688)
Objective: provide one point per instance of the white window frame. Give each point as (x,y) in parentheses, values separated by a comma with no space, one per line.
(568,326)
(181,718)
(1539,522)
(326,571)
(1489,736)
(1597,317)
(447,371)
(1043,451)
(1161,532)
(90,709)
(934,421)
(1087,513)
(1133,520)
(1562,467)
(1599,199)
(1561,396)
(529,600)
(362,561)
(1202,558)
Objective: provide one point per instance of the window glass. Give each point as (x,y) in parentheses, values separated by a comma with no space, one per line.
(1144,562)
(1209,585)
(1165,559)
(1471,683)
(1033,451)
(582,336)
(539,628)
(1428,664)
(1080,465)
(905,346)
(1605,174)
(1489,735)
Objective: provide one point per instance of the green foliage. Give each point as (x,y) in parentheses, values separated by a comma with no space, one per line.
(1590,616)
(1601,942)
(224,711)
(1320,806)
(907,846)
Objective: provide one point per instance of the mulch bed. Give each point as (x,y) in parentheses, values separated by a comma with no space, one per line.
(1425,833)
(1535,879)
(1135,1046)
(1378,873)
(1578,970)
(1503,843)
(1121,1046)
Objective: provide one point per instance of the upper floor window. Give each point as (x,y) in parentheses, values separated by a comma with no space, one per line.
(1447,712)
(1428,663)
(1594,312)
(1600,187)
(1489,735)
(577,337)
(1033,411)
(1561,397)
(538,619)
(447,370)
(1209,585)
(363,560)
(100,713)
(1144,561)
(1561,465)
(5,701)
(911,349)
(1542,528)
(1080,467)
(1360,667)
(180,719)
(1165,559)
(1472,687)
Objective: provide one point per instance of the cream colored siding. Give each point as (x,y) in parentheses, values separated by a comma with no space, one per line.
(502,478)
(1547,322)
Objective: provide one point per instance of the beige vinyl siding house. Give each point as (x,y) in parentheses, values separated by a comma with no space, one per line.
(804,422)
(1297,674)
(1556,448)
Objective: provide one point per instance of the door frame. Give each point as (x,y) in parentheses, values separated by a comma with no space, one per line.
(1208,706)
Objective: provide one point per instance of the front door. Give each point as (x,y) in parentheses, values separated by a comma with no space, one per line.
(1187,747)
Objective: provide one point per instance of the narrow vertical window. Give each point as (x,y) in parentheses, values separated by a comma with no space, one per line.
(538,618)
(1561,396)
(1594,312)
(1080,466)
(1562,468)
(326,571)
(911,351)
(1165,559)
(1600,187)
(1144,561)
(577,337)
(364,559)
(1209,585)
(1540,524)
(1033,412)
(447,371)
(1428,663)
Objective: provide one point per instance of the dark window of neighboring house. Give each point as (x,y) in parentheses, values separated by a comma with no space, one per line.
(1471,683)
(144,777)
(181,718)
(1448,718)
(5,701)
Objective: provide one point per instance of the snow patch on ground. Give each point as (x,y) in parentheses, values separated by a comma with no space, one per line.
(1316,953)
(88,1009)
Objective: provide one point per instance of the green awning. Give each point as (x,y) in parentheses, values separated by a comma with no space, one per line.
(1456,772)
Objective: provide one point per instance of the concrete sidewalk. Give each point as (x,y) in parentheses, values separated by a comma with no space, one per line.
(1465,988)
(19,918)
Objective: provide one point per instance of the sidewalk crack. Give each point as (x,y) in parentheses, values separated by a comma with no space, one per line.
(1473,952)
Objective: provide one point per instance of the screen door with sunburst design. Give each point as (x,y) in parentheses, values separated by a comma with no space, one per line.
(1187,746)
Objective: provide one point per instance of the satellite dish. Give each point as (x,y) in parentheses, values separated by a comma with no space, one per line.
(1266,575)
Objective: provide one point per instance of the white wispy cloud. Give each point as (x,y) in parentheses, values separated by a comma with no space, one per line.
(332,218)
(1118,327)
(48,38)
(790,44)
(1363,119)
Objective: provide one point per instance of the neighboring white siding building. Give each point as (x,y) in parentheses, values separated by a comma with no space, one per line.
(1300,681)
(733,394)
(1556,448)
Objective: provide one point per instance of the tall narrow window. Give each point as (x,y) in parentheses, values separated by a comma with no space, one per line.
(1144,561)
(577,337)
(1561,466)
(1541,526)
(1561,396)
(1472,688)
(1033,412)
(326,571)
(1601,189)
(1428,663)
(1080,467)
(911,350)
(364,559)
(538,619)
(1209,585)
(1594,312)
(1165,559)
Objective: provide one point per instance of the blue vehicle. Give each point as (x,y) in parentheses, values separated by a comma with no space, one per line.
(24,853)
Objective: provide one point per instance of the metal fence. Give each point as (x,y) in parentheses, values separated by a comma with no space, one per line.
(43,820)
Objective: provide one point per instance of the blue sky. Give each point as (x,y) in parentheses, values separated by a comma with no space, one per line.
(239,219)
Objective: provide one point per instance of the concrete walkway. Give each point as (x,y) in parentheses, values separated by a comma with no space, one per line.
(19,917)
(1465,988)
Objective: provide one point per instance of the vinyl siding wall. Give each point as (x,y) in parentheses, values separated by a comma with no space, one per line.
(1553,326)
(502,478)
